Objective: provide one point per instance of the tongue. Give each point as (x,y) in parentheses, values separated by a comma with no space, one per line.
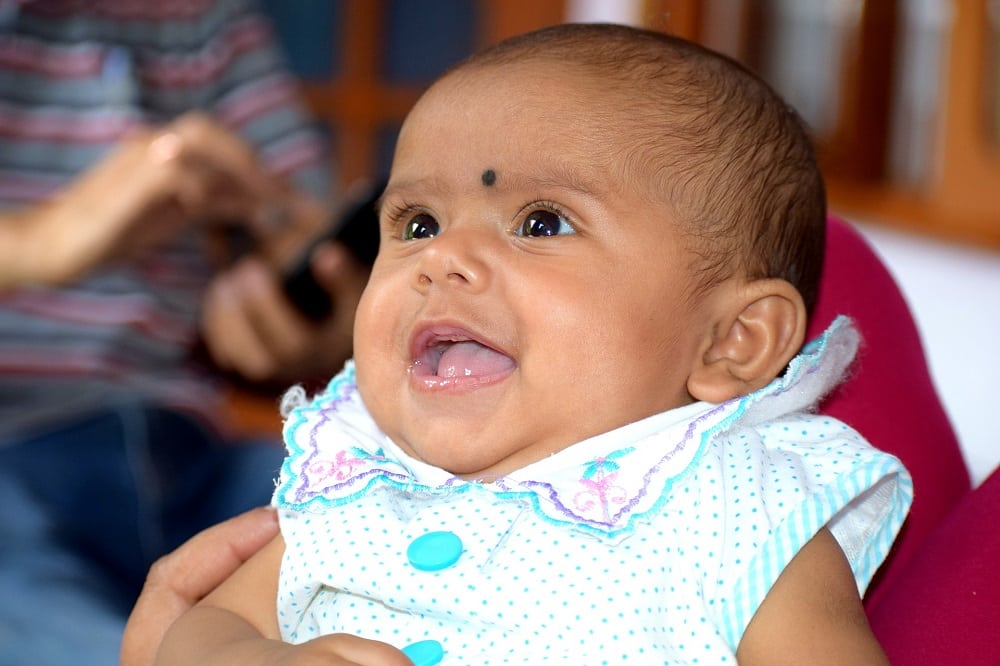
(471,359)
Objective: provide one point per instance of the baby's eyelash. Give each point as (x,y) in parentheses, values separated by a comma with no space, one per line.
(396,211)
(395,214)
(548,205)
(544,204)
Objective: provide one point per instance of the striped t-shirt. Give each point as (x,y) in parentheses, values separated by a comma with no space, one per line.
(75,77)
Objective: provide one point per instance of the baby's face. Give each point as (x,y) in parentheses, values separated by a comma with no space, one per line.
(522,299)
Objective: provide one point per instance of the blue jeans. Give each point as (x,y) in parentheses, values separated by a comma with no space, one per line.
(85,510)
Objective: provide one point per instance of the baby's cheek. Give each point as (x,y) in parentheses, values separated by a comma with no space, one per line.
(375,311)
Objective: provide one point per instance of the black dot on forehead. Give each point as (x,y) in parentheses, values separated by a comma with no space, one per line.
(489,177)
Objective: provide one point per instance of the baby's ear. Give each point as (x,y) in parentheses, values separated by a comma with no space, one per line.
(760,327)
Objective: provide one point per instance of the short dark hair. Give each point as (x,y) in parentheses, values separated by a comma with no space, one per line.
(726,153)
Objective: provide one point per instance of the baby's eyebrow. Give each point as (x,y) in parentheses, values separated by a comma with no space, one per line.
(558,176)
(409,186)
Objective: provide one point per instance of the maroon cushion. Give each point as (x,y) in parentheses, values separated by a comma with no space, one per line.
(889,398)
(945,605)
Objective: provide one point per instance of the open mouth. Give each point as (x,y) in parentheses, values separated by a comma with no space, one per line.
(455,354)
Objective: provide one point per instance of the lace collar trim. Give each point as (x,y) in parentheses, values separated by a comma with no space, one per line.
(603,484)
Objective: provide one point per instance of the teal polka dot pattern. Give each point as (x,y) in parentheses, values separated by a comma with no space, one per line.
(644,545)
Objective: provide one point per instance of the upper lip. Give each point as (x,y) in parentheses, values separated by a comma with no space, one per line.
(428,339)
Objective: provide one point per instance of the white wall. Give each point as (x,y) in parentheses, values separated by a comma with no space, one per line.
(603,11)
(954,293)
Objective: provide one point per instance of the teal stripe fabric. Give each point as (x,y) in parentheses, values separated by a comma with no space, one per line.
(881,490)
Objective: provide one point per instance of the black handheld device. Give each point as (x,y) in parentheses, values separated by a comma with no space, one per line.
(356,228)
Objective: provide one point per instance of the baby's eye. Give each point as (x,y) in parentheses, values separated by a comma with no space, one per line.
(541,222)
(421,226)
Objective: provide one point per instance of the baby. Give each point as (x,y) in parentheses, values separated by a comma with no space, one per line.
(577,425)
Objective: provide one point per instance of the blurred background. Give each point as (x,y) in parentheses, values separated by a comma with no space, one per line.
(903,97)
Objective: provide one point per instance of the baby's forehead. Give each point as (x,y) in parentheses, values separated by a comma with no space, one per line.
(535,76)
(615,138)
(597,107)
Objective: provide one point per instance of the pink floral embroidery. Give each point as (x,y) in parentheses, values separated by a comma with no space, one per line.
(600,490)
(338,469)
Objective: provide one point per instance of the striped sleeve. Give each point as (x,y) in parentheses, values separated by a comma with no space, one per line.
(824,475)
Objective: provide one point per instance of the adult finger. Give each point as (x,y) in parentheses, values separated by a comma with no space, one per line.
(358,650)
(345,279)
(253,328)
(337,271)
(211,148)
(208,173)
(179,580)
(227,325)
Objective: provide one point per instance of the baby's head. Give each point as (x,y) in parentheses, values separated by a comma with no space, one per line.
(584,226)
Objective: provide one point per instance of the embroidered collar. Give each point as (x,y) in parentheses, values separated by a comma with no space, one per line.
(336,453)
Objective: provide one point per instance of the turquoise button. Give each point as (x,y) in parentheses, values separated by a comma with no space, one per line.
(434,551)
(424,653)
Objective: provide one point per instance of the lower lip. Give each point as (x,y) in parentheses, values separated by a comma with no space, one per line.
(435,384)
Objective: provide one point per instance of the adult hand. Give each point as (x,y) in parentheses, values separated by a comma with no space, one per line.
(150,187)
(348,650)
(251,328)
(230,639)
(179,580)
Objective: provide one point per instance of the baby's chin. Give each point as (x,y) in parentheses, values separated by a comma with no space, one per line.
(469,462)
(465,466)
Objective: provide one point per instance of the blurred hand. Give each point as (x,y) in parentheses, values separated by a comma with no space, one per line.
(179,580)
(156,183)
(251,328)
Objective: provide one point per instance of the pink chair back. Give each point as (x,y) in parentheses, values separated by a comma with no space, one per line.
(890,398)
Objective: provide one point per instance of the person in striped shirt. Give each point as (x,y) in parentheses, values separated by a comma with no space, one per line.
(137,141)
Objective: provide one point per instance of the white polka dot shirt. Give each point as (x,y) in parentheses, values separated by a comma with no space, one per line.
(651,544)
